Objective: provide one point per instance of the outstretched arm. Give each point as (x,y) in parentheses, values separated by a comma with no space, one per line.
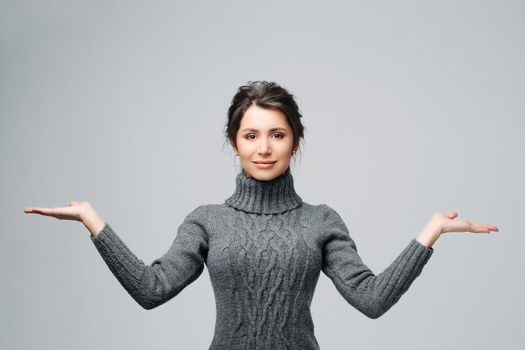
(153,285)
(372,294)
(150,285)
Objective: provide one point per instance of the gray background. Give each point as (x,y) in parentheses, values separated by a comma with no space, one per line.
(410,108)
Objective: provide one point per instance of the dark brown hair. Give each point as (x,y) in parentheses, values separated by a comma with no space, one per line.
(264,94)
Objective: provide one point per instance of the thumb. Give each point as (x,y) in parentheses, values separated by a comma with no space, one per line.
(452,214)
(72,203)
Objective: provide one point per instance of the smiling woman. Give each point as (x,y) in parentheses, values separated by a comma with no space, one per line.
(264,129)
(262,145)
(264,246)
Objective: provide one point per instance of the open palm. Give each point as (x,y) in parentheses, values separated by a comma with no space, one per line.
(448,224)
(74,211)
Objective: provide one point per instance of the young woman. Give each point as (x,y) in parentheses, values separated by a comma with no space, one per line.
(264,247)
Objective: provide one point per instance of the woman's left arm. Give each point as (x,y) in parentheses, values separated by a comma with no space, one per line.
(374,294)
(440,223)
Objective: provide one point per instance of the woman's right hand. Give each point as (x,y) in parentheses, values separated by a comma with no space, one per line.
(82,212)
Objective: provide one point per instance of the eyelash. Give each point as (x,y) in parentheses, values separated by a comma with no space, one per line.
(247,136)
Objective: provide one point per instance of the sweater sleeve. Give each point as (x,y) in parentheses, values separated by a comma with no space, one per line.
(153,285)
(371,294)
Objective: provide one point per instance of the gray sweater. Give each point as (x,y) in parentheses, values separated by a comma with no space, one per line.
(264,249)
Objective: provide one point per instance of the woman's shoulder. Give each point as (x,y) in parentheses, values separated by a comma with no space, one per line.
(210,210)
(321,210)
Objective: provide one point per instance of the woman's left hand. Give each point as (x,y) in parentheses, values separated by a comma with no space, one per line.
(442,223)
(448,224)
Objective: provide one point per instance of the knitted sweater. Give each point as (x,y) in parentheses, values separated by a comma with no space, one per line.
(264,248)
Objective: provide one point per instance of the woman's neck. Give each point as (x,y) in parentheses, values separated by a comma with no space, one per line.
(273,196)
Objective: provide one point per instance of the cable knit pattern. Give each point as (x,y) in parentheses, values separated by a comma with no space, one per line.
(264,248)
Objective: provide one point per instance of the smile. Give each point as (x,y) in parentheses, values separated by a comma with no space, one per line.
(264,165)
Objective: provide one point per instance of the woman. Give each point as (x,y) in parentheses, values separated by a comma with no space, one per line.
(264,247)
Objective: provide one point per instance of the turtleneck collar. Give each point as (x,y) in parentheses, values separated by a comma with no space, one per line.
(274,196)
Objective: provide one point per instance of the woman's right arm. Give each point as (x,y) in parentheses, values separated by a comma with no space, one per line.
(149,285)
(153,285)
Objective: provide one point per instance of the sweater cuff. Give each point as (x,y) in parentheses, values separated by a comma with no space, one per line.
(104,230)
(421,250)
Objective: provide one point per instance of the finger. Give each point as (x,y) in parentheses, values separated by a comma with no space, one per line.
(492,227)
(71,203)
(32,210)
(485,227)
(468,226)
(36,209)
(479,228)
(43,211)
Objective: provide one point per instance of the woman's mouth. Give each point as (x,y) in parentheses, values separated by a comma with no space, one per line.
(264,165)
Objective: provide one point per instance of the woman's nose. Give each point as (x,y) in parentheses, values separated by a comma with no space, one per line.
(264,147)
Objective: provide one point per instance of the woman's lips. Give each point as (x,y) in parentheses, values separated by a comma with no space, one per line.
(264,165)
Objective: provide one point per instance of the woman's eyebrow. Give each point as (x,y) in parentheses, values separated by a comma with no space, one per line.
(272,129)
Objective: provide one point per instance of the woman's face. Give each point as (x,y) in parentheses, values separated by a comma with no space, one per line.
(264,135)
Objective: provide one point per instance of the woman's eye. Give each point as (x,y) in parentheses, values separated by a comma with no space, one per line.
(249,138)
